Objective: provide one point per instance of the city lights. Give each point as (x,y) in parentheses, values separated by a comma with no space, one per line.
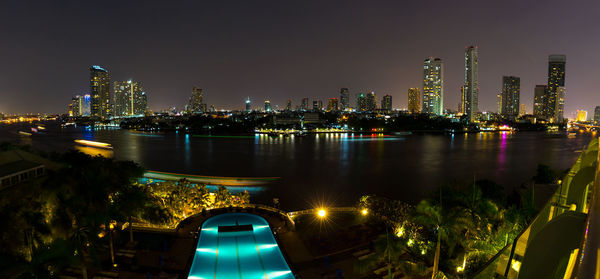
(321,213)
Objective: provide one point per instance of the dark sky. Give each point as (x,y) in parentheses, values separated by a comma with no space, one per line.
(290,49)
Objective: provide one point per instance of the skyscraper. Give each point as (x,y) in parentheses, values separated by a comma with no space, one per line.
(129,98)
(195,105)
(361,102)
(100,92)
(581,116)
(80,105)
(596,115)
(539,101)
(499,103)
(288,105)
(74,106)
(248,105)
(522,109)
(511,91)
(344,98)
(461,104)
(433,86)
(304,104)
(332,105)
(268,107)
(471,87)
(414,100)
(371,101)
(555,95)
(386,103)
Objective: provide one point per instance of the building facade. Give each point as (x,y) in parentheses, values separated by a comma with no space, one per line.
(129,98)
(596,115)
(196,102)
(361,102)
(555,95)
(511,92)
(332,104)
(433,86)
(471,87)
(288,105)
(386,103)
(304,104)
(344,98)
(539,101)
(248,105)
(100,92)
(499,103)
(268,107)
(414,100)
(371,101)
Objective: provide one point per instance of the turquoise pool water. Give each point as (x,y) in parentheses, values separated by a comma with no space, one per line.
(243,254)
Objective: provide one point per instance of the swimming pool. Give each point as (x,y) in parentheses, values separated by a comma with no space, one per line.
(229,248)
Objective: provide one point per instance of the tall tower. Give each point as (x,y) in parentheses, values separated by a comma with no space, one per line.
(361,102)
(511,91)
(248,105)
(471,87)
(304,104)
(195,105)
(499,103)
(371,101)
(288,105)
(332,104)
(268,107)
(344,98)
(100,92)
(386,103)
(539,100)
(556,87)
(129,99)
(414,100)
(433,86)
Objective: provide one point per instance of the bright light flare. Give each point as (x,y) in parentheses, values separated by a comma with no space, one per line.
(364,212)
(94,143)
(322,213)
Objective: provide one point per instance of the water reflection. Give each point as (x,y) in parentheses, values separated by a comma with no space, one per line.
(92,151)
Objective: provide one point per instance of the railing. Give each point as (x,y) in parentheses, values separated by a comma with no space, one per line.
(563,239)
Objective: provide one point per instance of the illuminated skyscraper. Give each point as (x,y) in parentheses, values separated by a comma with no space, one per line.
(317,105)
(581,115)
(130,98)
(461,104)
(499,103)
(332,105)
(248,105)
(80,105)
(288,105)
(556,87)
(433,86)
(596,115)
(268,106)
(511,92)
(414,100)
(344,98)
(195,105)
(386,103)
(304,104)
(539,101)
(471,87)
(371,101)
(361,102)
(522,109)
(100,92)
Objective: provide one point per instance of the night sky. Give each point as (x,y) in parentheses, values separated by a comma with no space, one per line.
(290,49)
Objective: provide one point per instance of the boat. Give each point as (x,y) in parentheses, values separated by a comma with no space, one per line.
(94,144)
(26,134)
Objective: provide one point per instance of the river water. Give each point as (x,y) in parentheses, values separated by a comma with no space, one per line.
(331,169)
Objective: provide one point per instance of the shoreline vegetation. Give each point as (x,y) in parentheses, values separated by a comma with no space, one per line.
(68,217)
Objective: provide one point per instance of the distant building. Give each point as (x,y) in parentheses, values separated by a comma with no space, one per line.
(80,105)
(332,104)
(386,103)
(361,102)
(597,115)
(195,104)
(511,91)
(100,92)
(539,101)
(581,115)
(371,101)
(288,105)
(461,104)
(268,107)
(129,99)
(433,86)
(555,95)
(499,103)
(471,87)
(522,109)
(344,98)
(248,105)
(317,105)
(414,100)
(304,104)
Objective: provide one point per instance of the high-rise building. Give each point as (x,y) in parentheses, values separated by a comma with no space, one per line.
(539,101)
(361,102)
(499,103)
(129,98)
(522,109)
(344,98)
(288,105)
(581,115)
(74,106)
(511,92)
(268,107)
(332,105)
(304,104)
(195,105)
(596,115)
(248,105)
(317,105)
(386,103)
(461,104)
(414,100)
(80,105)
(471,87)
(371,101)
(433,86)
(556,87)
(100,92)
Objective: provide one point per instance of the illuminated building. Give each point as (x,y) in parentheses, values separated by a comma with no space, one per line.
(344,98)
(555,95)
(317,105)
(332,105)
(130,98)
(248,105)
(461,104)
(522,109)
(386,103)
(288,105)
(499,103)
(361,102)
(80,105)
(371,101)
(304,104)
(414,100)
(471,87)
(100,92)
(268,106)
(196,105)
(597,115)
(581,115)
(539,101)
(511,91)
(433,86)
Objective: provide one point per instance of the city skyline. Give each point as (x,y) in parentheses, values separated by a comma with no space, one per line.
(375,56)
